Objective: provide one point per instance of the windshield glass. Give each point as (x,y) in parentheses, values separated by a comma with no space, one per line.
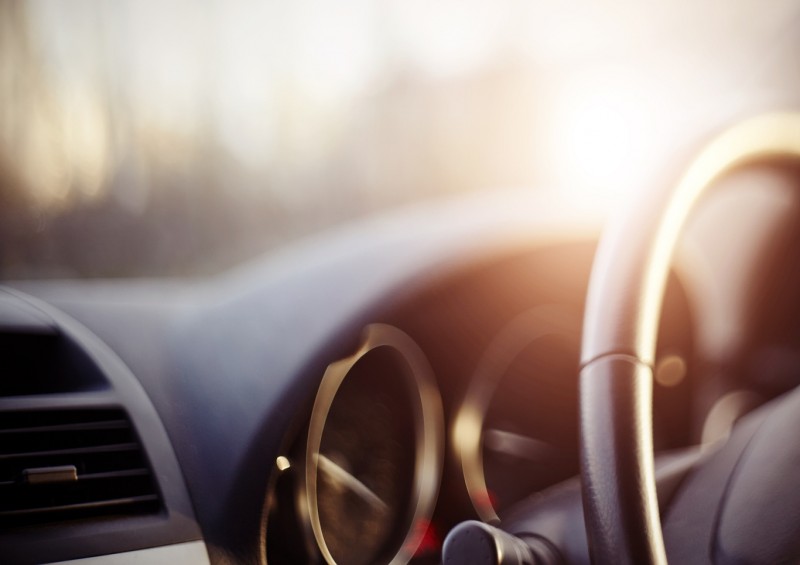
(177,138)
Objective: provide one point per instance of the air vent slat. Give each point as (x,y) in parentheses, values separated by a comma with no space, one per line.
(76,451)
(111,476)
(82,506)
(113,425)
(115,474)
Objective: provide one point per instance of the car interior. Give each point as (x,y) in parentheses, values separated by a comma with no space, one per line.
(492,377)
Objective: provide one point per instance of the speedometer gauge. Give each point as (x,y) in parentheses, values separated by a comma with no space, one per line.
(373,457)
(515,433)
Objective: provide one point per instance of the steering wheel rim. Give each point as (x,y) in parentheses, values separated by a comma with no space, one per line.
(619,343)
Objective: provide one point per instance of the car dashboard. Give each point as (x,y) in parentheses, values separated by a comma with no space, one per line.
(349,399)
(502,339)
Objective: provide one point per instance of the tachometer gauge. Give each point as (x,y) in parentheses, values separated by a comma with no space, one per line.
(373,457)
(515,433)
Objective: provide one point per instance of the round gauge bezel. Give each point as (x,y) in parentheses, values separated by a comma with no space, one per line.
(428,432)
(497,358)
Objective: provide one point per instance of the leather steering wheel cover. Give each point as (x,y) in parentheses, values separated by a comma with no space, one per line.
(619,342)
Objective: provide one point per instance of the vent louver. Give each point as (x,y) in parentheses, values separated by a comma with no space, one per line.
(60,465)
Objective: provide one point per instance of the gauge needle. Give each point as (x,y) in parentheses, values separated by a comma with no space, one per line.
(518,445)
(344,478)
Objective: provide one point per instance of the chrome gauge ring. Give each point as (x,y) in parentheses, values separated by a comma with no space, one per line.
(544,331)
(374,452)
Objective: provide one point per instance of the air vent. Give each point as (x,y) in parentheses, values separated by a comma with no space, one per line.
(61,465)
(44,363)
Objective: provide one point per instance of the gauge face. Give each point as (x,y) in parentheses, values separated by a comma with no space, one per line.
(529,430)
(373,454)
(516,432)
(366,461)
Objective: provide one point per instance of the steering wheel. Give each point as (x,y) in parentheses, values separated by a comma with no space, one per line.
(619,343)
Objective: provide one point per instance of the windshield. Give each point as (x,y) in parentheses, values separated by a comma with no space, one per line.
(177,138)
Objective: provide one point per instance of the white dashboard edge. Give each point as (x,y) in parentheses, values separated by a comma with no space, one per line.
(193,553)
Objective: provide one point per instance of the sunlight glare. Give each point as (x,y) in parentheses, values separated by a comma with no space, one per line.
(604,134)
